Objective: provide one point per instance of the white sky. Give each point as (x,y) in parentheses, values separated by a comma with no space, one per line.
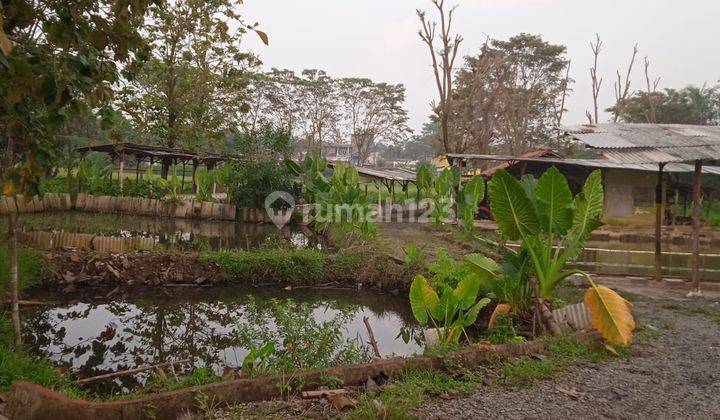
(378,39)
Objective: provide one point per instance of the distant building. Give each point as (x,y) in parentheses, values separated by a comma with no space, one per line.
(345,153)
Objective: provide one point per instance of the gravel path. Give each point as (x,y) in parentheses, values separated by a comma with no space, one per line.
(674,372)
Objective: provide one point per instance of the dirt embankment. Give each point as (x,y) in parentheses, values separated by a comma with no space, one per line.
(75,271)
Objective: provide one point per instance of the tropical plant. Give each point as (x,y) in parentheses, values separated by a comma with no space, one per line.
(250,183)
(507,282)
(553,227)
(256,362)
(468,198)
(203,182)
(173,189)
(311,174)
(450,311)
(344,202)
(439,189)
(94,178)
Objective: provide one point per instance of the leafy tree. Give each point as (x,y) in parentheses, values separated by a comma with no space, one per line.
(374,114)
(691,105)
(193,88)
(506,96)
(56,58)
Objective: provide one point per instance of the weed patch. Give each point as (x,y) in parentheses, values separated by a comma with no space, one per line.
(410,390)
(32,268)
(562,352)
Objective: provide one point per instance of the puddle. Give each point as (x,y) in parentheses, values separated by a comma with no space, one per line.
(211,328)
(174,234)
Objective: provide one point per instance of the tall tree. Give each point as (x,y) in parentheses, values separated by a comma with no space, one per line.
(538,76)
(319,112)
(443,63)
(374,114)
(596,81)
(194,86)
(622,87)
(56,58)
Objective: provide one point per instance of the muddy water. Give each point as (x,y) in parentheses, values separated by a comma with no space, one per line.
(174,234)
(212,328)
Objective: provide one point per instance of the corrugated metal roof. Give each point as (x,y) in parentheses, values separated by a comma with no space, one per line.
(651,143)
(591,163)
(394,174)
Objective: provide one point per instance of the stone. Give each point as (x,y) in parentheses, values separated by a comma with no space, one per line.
(372,388)
(432,338)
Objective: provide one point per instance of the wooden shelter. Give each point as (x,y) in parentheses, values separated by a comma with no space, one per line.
(165,155)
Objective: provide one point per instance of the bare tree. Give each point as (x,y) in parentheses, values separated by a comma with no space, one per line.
(596,82)
(622,88)
(653,97)
(443,61)
(559,104)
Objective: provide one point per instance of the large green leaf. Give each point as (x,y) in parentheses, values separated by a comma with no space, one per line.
(473,191)
(554,202)
(483,267)
(472,314)
(588,206)
(424,178)
(423,299)
(511,207)
(467,290)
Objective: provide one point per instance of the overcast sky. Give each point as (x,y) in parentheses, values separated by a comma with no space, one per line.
(378,39)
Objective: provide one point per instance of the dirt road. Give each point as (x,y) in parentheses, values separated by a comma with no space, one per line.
(673,373)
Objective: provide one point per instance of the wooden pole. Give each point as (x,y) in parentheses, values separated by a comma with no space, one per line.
(696,230)
(194,171)
(122,170)
(129,371)
(137,170)
(658,223)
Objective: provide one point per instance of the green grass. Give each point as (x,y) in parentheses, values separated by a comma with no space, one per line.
(269,265)
(410,390)
(32,267)
(562,352)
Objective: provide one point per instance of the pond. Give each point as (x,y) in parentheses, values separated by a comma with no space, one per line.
(172,233)
(215,329)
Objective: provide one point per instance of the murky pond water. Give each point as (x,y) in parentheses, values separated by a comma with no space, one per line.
(171,233)
(215,329)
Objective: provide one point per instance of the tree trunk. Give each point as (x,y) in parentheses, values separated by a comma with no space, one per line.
(14,287)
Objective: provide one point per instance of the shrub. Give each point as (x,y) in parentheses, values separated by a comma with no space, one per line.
(248,184)
(300,266)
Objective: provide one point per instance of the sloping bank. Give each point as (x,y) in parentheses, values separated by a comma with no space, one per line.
(30,401)
(75,271)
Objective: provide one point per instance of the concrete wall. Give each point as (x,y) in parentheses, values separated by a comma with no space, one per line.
(629,197)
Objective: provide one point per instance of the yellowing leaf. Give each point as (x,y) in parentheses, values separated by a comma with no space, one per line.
(263,37)
(611,314)
(502,308)
(612,350)
(8,188)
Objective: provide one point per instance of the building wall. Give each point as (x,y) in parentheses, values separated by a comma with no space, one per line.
(629,197)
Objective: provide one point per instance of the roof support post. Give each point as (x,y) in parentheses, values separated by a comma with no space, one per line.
(121,174)
(695,291)
(658,222)
(194,171)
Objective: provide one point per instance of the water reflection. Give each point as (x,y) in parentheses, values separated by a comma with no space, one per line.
(90,339)
(175,234)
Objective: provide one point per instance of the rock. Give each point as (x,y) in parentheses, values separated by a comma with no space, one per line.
(432,338)
(372,388)
(200,280)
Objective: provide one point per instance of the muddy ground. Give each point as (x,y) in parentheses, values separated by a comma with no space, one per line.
(672,372)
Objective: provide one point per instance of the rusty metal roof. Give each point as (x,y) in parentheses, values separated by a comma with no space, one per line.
(589,163)
(650,143)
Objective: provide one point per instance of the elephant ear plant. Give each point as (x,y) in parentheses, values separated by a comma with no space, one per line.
(553,227)
(451,310)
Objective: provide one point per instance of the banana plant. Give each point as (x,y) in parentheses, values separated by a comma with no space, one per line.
(553,227)
(450,311)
